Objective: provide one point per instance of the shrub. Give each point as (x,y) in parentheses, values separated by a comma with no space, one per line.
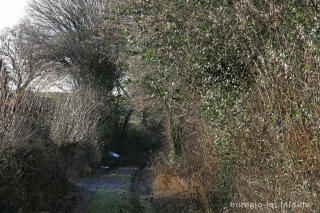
(28,156)
(250,68)
(84,121)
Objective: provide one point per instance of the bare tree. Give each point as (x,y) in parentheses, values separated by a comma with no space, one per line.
(22,53)
(77,37)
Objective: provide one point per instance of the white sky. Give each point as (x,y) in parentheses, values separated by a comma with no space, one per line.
(11,12)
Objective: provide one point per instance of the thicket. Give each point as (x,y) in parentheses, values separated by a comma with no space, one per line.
(48,140)
(239,83)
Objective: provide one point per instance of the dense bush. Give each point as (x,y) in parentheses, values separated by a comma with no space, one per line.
(250,68)
(27,156)
(45,142)
(236,83)
(83,122)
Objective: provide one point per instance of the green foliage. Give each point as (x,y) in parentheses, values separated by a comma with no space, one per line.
(249,68)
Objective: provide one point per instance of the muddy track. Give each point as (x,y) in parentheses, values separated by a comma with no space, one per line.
(134,196)
(119,190)
(141,188)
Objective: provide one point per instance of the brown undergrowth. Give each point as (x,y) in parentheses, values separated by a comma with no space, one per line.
(41,152)
(186,184)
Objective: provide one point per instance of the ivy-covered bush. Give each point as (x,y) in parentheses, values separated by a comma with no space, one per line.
(250,69)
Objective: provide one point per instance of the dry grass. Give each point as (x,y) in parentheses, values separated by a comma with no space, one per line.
(166,184)
(189,180)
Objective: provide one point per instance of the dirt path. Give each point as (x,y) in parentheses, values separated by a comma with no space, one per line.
(125,190)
